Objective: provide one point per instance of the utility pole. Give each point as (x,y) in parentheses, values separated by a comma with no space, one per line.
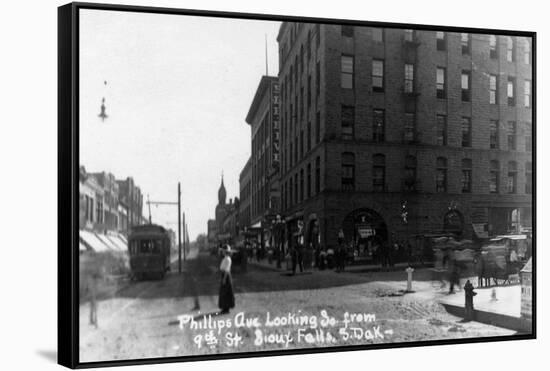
(184,226)
(179,227)
(187,237)
(149,204)
(170,203)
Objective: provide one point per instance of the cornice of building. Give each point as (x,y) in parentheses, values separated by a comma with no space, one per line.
(263,86)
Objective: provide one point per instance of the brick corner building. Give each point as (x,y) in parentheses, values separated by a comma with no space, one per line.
(389,134)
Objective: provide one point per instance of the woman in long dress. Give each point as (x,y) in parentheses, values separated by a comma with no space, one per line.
(226,299)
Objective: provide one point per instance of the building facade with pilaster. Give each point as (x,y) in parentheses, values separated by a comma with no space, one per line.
(264,120)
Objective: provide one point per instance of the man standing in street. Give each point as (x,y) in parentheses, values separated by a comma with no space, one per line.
(92,269)
(469,294)
(454,278)
(297,257)
(301,253)
(92,287)
(340,253)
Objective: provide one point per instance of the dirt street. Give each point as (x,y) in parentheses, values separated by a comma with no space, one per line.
(143,319)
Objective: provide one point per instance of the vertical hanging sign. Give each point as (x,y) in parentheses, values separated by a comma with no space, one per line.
(276,123)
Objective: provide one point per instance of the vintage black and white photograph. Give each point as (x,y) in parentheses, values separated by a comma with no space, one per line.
(251,185)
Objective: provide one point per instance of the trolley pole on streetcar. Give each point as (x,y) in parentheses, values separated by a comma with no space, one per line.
(179,227)
(171,203)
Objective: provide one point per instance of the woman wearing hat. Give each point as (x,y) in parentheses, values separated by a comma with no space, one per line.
(226,299)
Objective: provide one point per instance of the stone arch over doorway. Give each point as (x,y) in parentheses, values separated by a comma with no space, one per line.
(365,230)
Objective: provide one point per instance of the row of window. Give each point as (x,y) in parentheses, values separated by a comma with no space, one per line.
(302,144)
(295,29)
(294,108)
(494,134)
(378,66)
(511,47)
(89,214)
(244,217)
(511,135)
(347,82)
(441,179)
(409,35)
(245,191)
(465,42)
(298,67)
(410,134)
(259,199)
(302,185)
(296,148)
(465,84)
(260,163)
(377,78)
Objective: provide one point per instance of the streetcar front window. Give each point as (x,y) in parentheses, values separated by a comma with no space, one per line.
(150,246)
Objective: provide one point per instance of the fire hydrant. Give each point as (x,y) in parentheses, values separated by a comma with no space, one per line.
(469,294)
(409,271)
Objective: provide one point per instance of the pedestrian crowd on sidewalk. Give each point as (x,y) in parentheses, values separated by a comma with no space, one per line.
(298,258)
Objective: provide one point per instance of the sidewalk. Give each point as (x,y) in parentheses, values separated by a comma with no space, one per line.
(263,263)
(355,268)
(502,312)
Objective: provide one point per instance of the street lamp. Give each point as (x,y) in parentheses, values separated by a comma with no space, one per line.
(404,212)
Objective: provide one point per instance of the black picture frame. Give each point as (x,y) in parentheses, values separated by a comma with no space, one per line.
(68,169)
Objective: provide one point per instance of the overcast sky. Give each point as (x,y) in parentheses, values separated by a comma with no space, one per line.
(177,94)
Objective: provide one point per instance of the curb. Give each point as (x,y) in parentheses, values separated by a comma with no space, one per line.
(495,319)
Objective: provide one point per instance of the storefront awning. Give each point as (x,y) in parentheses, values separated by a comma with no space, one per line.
(107,242)
(510,237)
(93,241)
(528,267)
(118,242)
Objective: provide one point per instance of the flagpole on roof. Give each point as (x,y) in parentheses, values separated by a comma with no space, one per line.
(266,57)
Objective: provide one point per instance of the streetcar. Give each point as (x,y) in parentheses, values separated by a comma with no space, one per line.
(149,250)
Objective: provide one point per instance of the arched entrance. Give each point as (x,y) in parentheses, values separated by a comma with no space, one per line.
(453,222)
(514,225)
(366,232)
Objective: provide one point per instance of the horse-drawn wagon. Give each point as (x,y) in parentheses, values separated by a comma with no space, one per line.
(501,259)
